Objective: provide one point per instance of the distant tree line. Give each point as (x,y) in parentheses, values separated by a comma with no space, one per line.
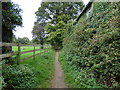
(24,40)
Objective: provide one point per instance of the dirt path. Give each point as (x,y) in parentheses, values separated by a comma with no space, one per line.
(58,80)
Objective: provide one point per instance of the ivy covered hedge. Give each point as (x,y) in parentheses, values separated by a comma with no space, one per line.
(94,44)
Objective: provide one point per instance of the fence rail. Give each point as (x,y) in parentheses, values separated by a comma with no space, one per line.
(7,55)
(32,56)
(14,44)
(19,52)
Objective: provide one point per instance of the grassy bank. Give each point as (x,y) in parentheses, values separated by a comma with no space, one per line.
(30,73)
(75,77)
(43,67)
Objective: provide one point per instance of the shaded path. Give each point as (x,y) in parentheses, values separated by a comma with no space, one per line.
(58,80)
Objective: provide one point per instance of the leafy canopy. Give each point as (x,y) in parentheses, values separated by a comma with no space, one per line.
(54,16)
(11,15)
(49,11)
(11,18)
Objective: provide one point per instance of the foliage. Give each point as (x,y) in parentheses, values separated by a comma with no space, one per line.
(33,75)
(43,72)
(2,82)
(11,15)
(76,78)
(56,15)
(24,40)
(18,76)
(10,19)
(49,11)
(38,34)
(56,33)
(14,38)
(94,44)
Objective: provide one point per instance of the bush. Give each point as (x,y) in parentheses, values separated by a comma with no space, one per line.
(18,76)
(94,44)
(78,78)
(2,83)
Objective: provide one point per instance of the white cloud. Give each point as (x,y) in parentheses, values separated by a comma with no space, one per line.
(29,8)
(86,1)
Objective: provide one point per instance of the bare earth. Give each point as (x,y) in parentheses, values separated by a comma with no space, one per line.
(58,80)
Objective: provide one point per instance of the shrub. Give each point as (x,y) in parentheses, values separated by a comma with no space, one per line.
(18,76)
(94,44)
(2,83)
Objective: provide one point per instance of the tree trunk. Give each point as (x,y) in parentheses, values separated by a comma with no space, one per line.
(7,38)
(41,42)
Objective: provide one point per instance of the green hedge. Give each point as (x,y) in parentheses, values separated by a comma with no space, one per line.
(94,45)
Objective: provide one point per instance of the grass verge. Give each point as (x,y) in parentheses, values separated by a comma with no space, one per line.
(43,67)
(77,78)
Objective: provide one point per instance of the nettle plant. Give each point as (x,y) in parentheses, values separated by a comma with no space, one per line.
(18,76)
(2,82)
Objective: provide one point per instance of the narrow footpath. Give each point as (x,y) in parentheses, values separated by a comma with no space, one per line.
(58,80)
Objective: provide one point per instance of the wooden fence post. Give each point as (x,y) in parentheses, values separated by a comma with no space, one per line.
(40,49)
(18,61)
(34,53)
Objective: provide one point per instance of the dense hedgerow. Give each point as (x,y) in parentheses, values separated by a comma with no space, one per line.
(94,45)
(76,77)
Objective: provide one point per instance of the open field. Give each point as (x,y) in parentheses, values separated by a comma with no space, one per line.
(27,48)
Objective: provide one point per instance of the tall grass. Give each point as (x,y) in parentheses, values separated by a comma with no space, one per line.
(43,67)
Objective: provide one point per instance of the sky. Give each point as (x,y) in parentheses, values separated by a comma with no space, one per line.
(29,8)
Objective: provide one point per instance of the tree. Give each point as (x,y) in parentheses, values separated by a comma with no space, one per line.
(38,34)
(24,40)
(57,14)
(56,33)
(48,11)
(14,38)
(10,19)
